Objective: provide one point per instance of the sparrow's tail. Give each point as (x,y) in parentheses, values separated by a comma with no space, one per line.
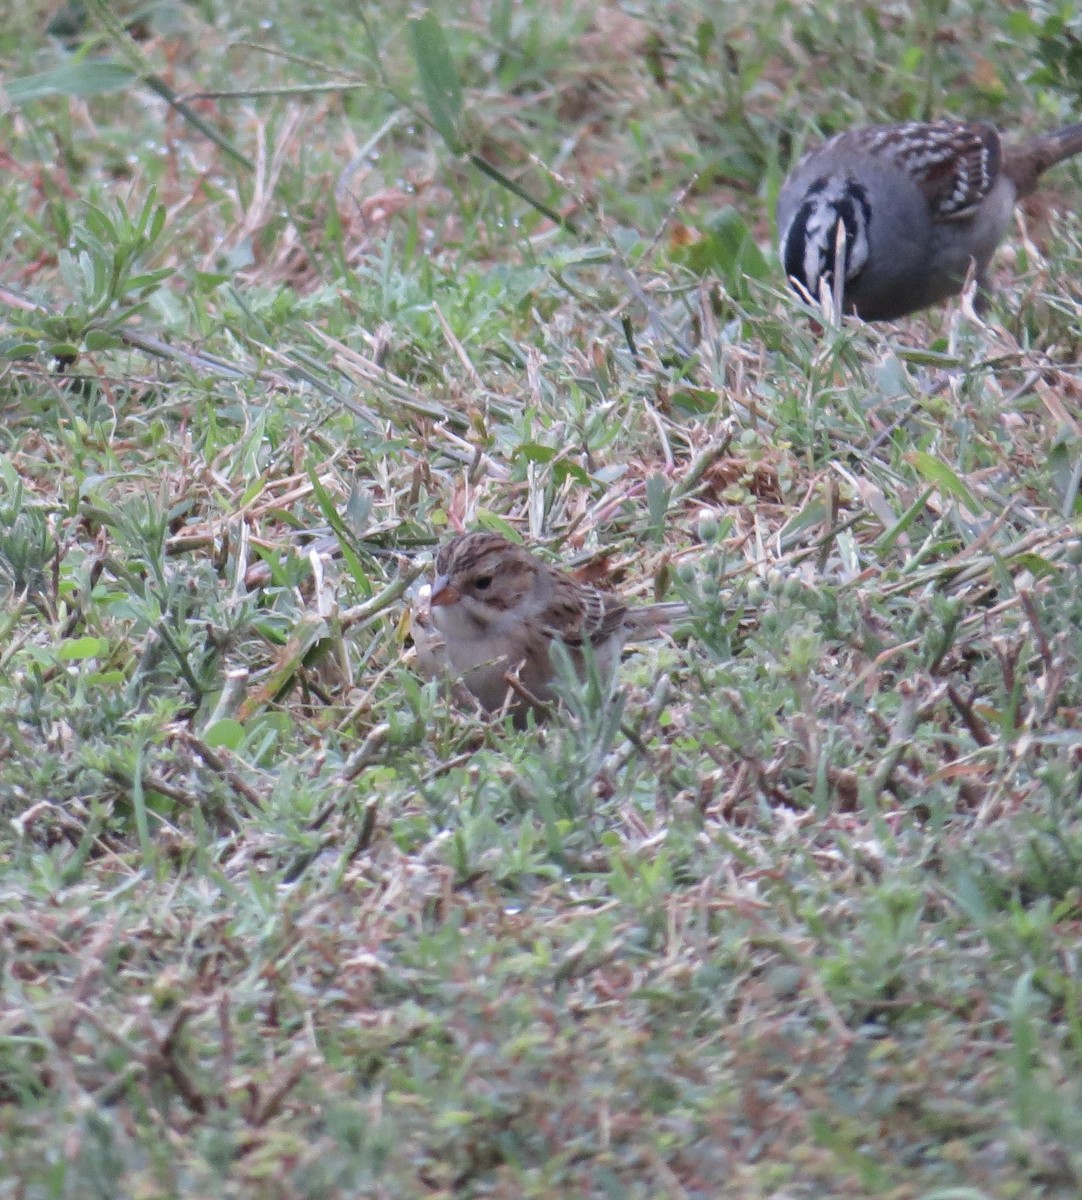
(1028,161)
(652,617)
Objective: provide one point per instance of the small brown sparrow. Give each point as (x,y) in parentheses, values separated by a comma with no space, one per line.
(494,610)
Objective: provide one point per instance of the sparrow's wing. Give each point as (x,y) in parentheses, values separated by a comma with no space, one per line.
(955,163)
(581,614)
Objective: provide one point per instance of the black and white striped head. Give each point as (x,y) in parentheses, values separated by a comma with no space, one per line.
(831,221)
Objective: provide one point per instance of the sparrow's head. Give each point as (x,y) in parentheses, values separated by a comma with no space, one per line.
(486,578)
(828,230)
(915,174)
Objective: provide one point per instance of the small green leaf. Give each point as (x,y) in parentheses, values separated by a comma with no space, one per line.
(489,520)
(931,357)
(1021,24)
(564,469)
(1065,468)
(695,400)
(79,79)
(13,348)
(148,281)
(226,732)
(945,480)
(728,250)
(812,515)
(100,225)
(100,339)
(1036,564)
(658,495)
(535,452)
(439,79)
(76,649)
(104,679)
(891,535)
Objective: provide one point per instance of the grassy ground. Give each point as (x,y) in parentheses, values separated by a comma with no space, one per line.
(797,912)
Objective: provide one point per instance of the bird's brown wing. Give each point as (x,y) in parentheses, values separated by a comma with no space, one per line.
(586,616)
(955,163)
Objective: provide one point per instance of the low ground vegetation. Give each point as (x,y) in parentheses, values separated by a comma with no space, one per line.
(289,292)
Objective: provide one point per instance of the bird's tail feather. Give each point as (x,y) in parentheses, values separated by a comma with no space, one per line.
(648,619)
(1029,161)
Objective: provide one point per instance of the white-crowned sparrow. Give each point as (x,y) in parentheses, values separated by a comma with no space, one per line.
(909,209)
(494,610)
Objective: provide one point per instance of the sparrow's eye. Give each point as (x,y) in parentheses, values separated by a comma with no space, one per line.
(482,583)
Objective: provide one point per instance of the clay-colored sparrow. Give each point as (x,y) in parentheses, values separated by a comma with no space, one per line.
(494,611)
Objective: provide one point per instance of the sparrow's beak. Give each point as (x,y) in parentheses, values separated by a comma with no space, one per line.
(443,592)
